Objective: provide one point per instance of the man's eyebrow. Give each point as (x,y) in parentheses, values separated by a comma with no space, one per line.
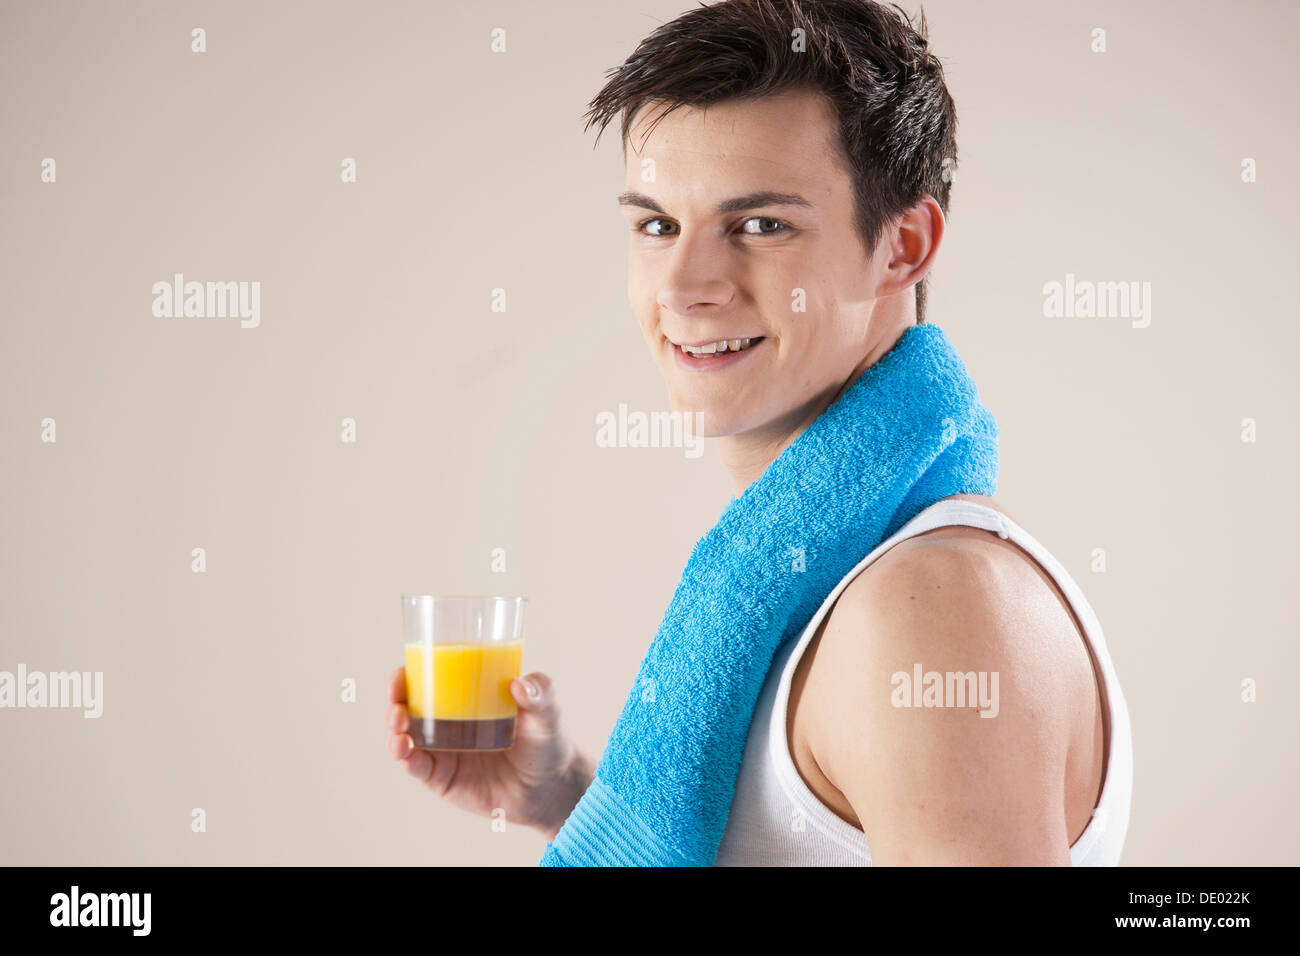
(765,197)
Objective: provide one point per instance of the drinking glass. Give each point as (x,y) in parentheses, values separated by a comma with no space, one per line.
(461,653)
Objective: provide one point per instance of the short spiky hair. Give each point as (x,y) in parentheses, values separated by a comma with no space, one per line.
(897,123)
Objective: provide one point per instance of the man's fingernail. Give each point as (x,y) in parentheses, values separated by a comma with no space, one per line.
(533,690)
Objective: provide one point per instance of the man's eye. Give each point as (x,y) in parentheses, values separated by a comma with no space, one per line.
(780,226)
(641,226)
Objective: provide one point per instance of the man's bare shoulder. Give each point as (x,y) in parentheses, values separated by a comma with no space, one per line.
(955,600)
(953,580)
(947,587)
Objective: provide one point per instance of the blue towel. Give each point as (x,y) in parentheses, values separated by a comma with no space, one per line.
(909,431)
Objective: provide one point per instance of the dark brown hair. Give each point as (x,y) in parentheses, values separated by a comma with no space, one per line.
(897,123)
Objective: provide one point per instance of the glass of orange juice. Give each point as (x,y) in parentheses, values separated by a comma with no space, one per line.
(461,653)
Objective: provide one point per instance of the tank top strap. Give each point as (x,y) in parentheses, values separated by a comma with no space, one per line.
(953,511)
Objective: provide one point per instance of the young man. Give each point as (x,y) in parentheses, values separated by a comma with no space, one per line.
(777,151)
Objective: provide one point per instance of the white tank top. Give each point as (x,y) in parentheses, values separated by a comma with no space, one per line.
(776,820)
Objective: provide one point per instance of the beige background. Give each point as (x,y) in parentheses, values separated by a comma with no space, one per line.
(475,429)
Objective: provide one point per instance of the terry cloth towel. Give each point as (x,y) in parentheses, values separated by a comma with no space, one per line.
(909,431)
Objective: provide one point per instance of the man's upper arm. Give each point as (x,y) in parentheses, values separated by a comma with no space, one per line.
(942,785)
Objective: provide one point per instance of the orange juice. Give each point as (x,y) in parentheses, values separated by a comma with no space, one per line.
(459,694)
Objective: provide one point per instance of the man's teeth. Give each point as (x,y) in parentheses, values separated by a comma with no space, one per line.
(734,345)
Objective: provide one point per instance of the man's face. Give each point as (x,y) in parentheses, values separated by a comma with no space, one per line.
(792,276)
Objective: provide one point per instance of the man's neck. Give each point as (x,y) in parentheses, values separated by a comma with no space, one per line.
(748,454)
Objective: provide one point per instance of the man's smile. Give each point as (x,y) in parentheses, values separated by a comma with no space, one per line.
(714,354)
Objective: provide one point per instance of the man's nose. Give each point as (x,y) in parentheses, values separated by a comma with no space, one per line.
(696,278)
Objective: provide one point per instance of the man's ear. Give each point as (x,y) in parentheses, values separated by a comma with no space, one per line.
(911,245)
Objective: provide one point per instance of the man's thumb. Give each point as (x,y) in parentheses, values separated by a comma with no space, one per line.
(530,690)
